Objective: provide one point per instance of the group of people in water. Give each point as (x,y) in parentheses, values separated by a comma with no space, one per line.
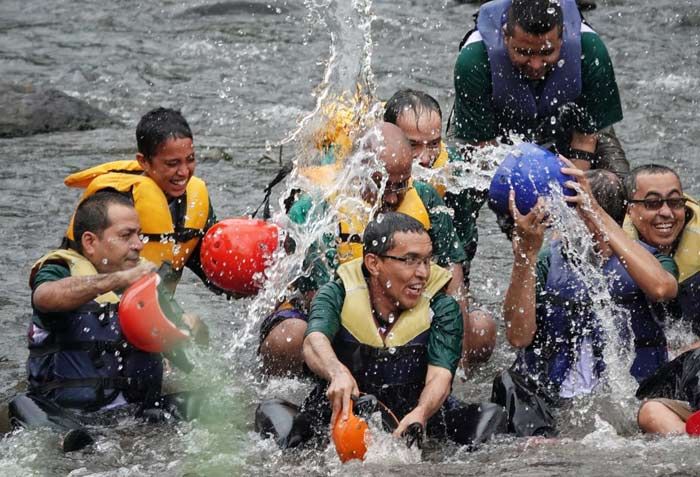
(383,307)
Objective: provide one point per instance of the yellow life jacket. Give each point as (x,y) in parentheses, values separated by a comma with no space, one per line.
(164,242)
(78,265)
(357,318)
(353,226)
(687,254)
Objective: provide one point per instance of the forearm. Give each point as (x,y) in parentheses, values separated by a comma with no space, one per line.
(72,292)
(519,304)
(320,357)
(643,267)
(437,388)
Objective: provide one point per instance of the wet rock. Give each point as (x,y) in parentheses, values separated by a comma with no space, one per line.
(25,111)
(234,8)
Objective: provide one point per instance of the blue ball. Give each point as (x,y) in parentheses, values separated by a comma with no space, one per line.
(530,171)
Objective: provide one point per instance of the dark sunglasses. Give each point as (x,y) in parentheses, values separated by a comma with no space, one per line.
(674,203)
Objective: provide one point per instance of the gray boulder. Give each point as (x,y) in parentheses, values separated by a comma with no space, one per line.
(25,111)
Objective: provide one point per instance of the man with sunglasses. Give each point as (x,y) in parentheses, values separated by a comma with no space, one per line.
(663,216)
(387,327)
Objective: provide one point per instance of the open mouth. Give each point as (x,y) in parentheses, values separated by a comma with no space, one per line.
(665,227)
(415,290)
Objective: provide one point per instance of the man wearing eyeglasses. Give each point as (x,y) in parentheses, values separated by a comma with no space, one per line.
(401,194)
(661,215)
(387,327)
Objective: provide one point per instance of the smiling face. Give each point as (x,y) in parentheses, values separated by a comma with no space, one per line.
(659,228)
(424,134)
(394,284)
(118,246)
(172,166)
(534,55)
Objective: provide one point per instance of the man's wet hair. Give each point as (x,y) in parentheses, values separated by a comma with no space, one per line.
(92,215)
(650,169)
(410,100)
(535,17)
(609,191)
(379,234)
(156,127)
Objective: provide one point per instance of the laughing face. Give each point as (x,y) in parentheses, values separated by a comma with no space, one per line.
(404,270)
(172,166)
(659,227)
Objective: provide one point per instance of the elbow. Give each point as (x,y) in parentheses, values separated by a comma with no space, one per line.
(518,338)
(666,291)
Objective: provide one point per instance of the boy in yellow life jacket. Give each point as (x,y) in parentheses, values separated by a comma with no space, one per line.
(172,203)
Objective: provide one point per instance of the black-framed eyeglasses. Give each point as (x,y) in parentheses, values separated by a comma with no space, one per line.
(411,260)
(674,203)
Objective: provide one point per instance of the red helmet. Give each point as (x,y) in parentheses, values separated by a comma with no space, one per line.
(235,252)
(142,320)
(692,425)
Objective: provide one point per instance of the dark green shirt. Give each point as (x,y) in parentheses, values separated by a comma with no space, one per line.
(446,329)
(447,246)
(475,117)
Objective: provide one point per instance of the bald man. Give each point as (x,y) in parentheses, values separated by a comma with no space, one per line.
(281,332)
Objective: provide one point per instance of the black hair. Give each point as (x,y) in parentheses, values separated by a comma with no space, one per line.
(156,127)
(92,214)
(535,17)
(653,169)
(379,234)
(409,99)
(609,191)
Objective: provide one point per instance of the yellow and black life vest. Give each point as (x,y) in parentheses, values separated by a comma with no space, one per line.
(78,265)
(356,316)
(165,242)
(352,226)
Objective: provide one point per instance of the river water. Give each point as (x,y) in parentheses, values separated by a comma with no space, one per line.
(245,74)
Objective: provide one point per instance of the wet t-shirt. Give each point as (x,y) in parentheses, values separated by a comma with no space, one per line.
(446,329)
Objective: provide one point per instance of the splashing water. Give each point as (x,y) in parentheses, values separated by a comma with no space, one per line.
(588,265)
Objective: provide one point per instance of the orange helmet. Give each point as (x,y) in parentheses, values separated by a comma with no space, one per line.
(349,437)
(142,320)
(235,252)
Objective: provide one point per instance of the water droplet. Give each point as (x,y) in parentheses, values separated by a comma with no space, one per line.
(392,350)
(553,120)
(86,330)
(105,261)
(388,283)
(561,63)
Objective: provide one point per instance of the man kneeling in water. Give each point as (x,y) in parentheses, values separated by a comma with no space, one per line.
(661,213)
(548,310)
(387,327)
(78,356)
